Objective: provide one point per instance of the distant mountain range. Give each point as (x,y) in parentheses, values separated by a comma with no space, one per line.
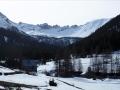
(55,30)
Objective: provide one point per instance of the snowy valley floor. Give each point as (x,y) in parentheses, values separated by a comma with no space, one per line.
(42,81)
(81,83)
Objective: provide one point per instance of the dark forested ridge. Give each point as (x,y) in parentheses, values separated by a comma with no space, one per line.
(15,44)
(60,42)
(105,39)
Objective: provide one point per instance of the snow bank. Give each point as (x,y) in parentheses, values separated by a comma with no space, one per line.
(2,88)
(5,70)
(49,66)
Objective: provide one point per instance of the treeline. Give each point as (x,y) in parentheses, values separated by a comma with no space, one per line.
(104,66)
(68,67)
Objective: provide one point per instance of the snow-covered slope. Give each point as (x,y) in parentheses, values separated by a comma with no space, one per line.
(5,22)
(65,31)
(90,27)
(55,30)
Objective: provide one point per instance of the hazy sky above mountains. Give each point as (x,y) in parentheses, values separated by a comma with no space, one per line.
(60,12)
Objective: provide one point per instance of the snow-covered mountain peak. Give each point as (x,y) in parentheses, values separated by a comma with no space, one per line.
(65,31)
(55,30)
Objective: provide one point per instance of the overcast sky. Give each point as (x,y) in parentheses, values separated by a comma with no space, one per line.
(62,12)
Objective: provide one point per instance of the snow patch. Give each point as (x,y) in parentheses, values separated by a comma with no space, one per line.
(49,66)
(5,38)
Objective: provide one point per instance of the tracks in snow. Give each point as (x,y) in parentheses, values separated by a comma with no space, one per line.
(70,84)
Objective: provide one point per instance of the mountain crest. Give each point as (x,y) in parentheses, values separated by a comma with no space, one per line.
(2,15)
(55,30)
